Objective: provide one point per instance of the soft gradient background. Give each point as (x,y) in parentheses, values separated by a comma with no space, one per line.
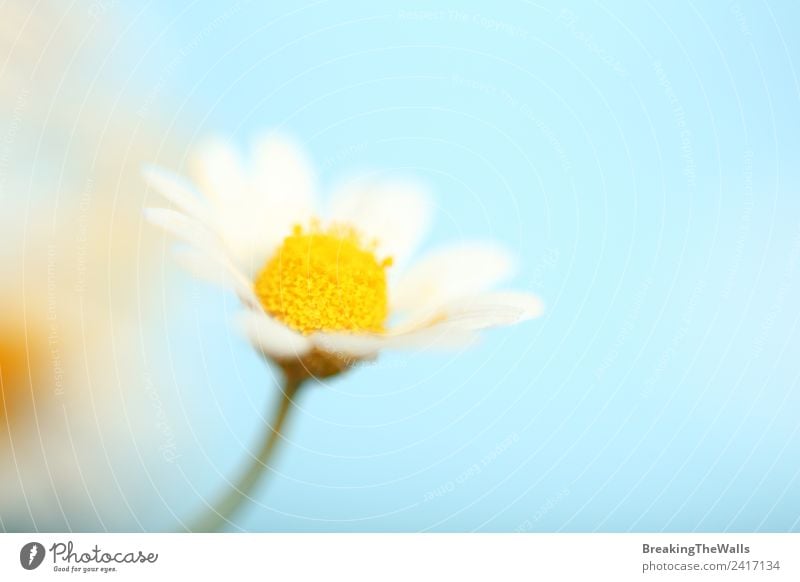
(642,159)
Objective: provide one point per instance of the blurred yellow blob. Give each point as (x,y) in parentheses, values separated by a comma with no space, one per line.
(15,386)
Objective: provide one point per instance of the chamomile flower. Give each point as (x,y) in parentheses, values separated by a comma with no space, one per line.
(322,290)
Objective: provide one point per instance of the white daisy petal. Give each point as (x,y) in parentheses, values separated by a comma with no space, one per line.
(271,337)
(280,195)
(256,203)
(364,345)
(217,269)
(220,173)
(282,182)
(452,328)
(183,228)
(396,214)
(492,310)
(177,190)
(452,272)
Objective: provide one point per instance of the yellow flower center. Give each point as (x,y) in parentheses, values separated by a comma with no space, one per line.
(325,280)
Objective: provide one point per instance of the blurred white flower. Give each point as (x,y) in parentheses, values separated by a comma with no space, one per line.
(79,437)
(81,444)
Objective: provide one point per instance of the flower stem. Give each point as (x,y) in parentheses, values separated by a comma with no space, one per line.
(222,511)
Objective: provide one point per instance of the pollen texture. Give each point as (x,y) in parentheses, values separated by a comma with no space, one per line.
(325,280)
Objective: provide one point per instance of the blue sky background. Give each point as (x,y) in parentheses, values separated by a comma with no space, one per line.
(642,161)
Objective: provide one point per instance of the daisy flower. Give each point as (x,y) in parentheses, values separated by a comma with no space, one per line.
(322,291)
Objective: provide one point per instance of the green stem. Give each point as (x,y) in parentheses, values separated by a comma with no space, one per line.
(220,514)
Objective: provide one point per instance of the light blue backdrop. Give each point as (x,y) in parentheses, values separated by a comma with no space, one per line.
(643,161)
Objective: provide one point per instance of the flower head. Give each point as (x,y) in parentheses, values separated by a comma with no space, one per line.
(319,294)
